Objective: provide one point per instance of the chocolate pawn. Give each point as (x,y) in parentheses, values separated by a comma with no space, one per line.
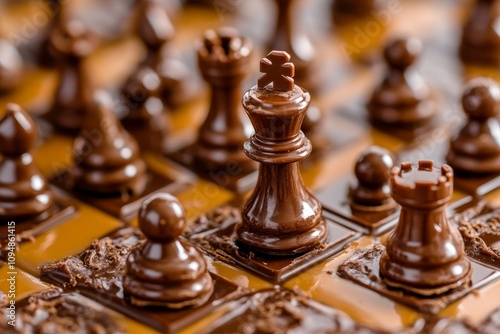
(425,253)
(11,66)
(107,159)
(155,28)
(224,62)
(165,271)
(146,116)
(372,171)
(480,43)
(24,191)
(281,217)
(72,42)
(475,149)
(403,97)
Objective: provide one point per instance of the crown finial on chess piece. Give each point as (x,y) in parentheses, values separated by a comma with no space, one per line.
(278,71)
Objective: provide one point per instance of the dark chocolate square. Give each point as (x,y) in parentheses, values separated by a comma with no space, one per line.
(97,274)
(25,230)
(220,243)
(282,311)
(363,269)
(231,179)
(124,208)
(435,147)
(335,201)
(479,225)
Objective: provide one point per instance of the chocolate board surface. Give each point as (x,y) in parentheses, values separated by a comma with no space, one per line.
(340,61)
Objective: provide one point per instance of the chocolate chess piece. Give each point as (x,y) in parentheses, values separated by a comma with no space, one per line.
(72,42)
(107,158)
(46,55)
(165,271)
(281,217)
(288,36)
(371,191)
(346,12)
(403,98)
(24,191)
(425,253)
(146,116)
(223,60)
(475,149)
(480,42)
(156,30)
(11,66)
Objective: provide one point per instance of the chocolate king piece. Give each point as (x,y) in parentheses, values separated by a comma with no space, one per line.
(425,253)
(281,217)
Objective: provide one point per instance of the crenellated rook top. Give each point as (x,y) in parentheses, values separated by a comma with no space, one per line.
(423,185)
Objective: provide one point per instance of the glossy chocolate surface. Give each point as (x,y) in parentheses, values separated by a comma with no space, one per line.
(72,42)
(281,217)
(425,253)
(11,66)
(24,190)
(403,97)
(224,59)
(146,116)
(165,271)
(475,149)
(215,233)
(480,43)
(363,269)
(97,274)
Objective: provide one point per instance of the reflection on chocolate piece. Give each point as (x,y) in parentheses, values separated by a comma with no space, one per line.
(281,217)
(284,311)
(215,234)
(52,311)
(363,268)
(425,254)
(223,60)
(97,274)
(165,271)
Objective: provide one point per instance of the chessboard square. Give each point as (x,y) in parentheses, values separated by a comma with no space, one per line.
(231,178)
(335,202)
(220,243)
(480,185)
(103,288)
(63,210)
(363,269)
(25,284)
(124,208)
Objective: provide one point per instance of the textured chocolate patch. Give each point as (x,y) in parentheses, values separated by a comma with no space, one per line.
(363,268)
(51,311)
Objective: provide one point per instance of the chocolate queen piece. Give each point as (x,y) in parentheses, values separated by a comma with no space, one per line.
(281,217)
(425,253)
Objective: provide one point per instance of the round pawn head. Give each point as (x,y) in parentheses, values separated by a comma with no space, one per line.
(481,98)
(162,218)
(402,52)
(18,132)
(373,167)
